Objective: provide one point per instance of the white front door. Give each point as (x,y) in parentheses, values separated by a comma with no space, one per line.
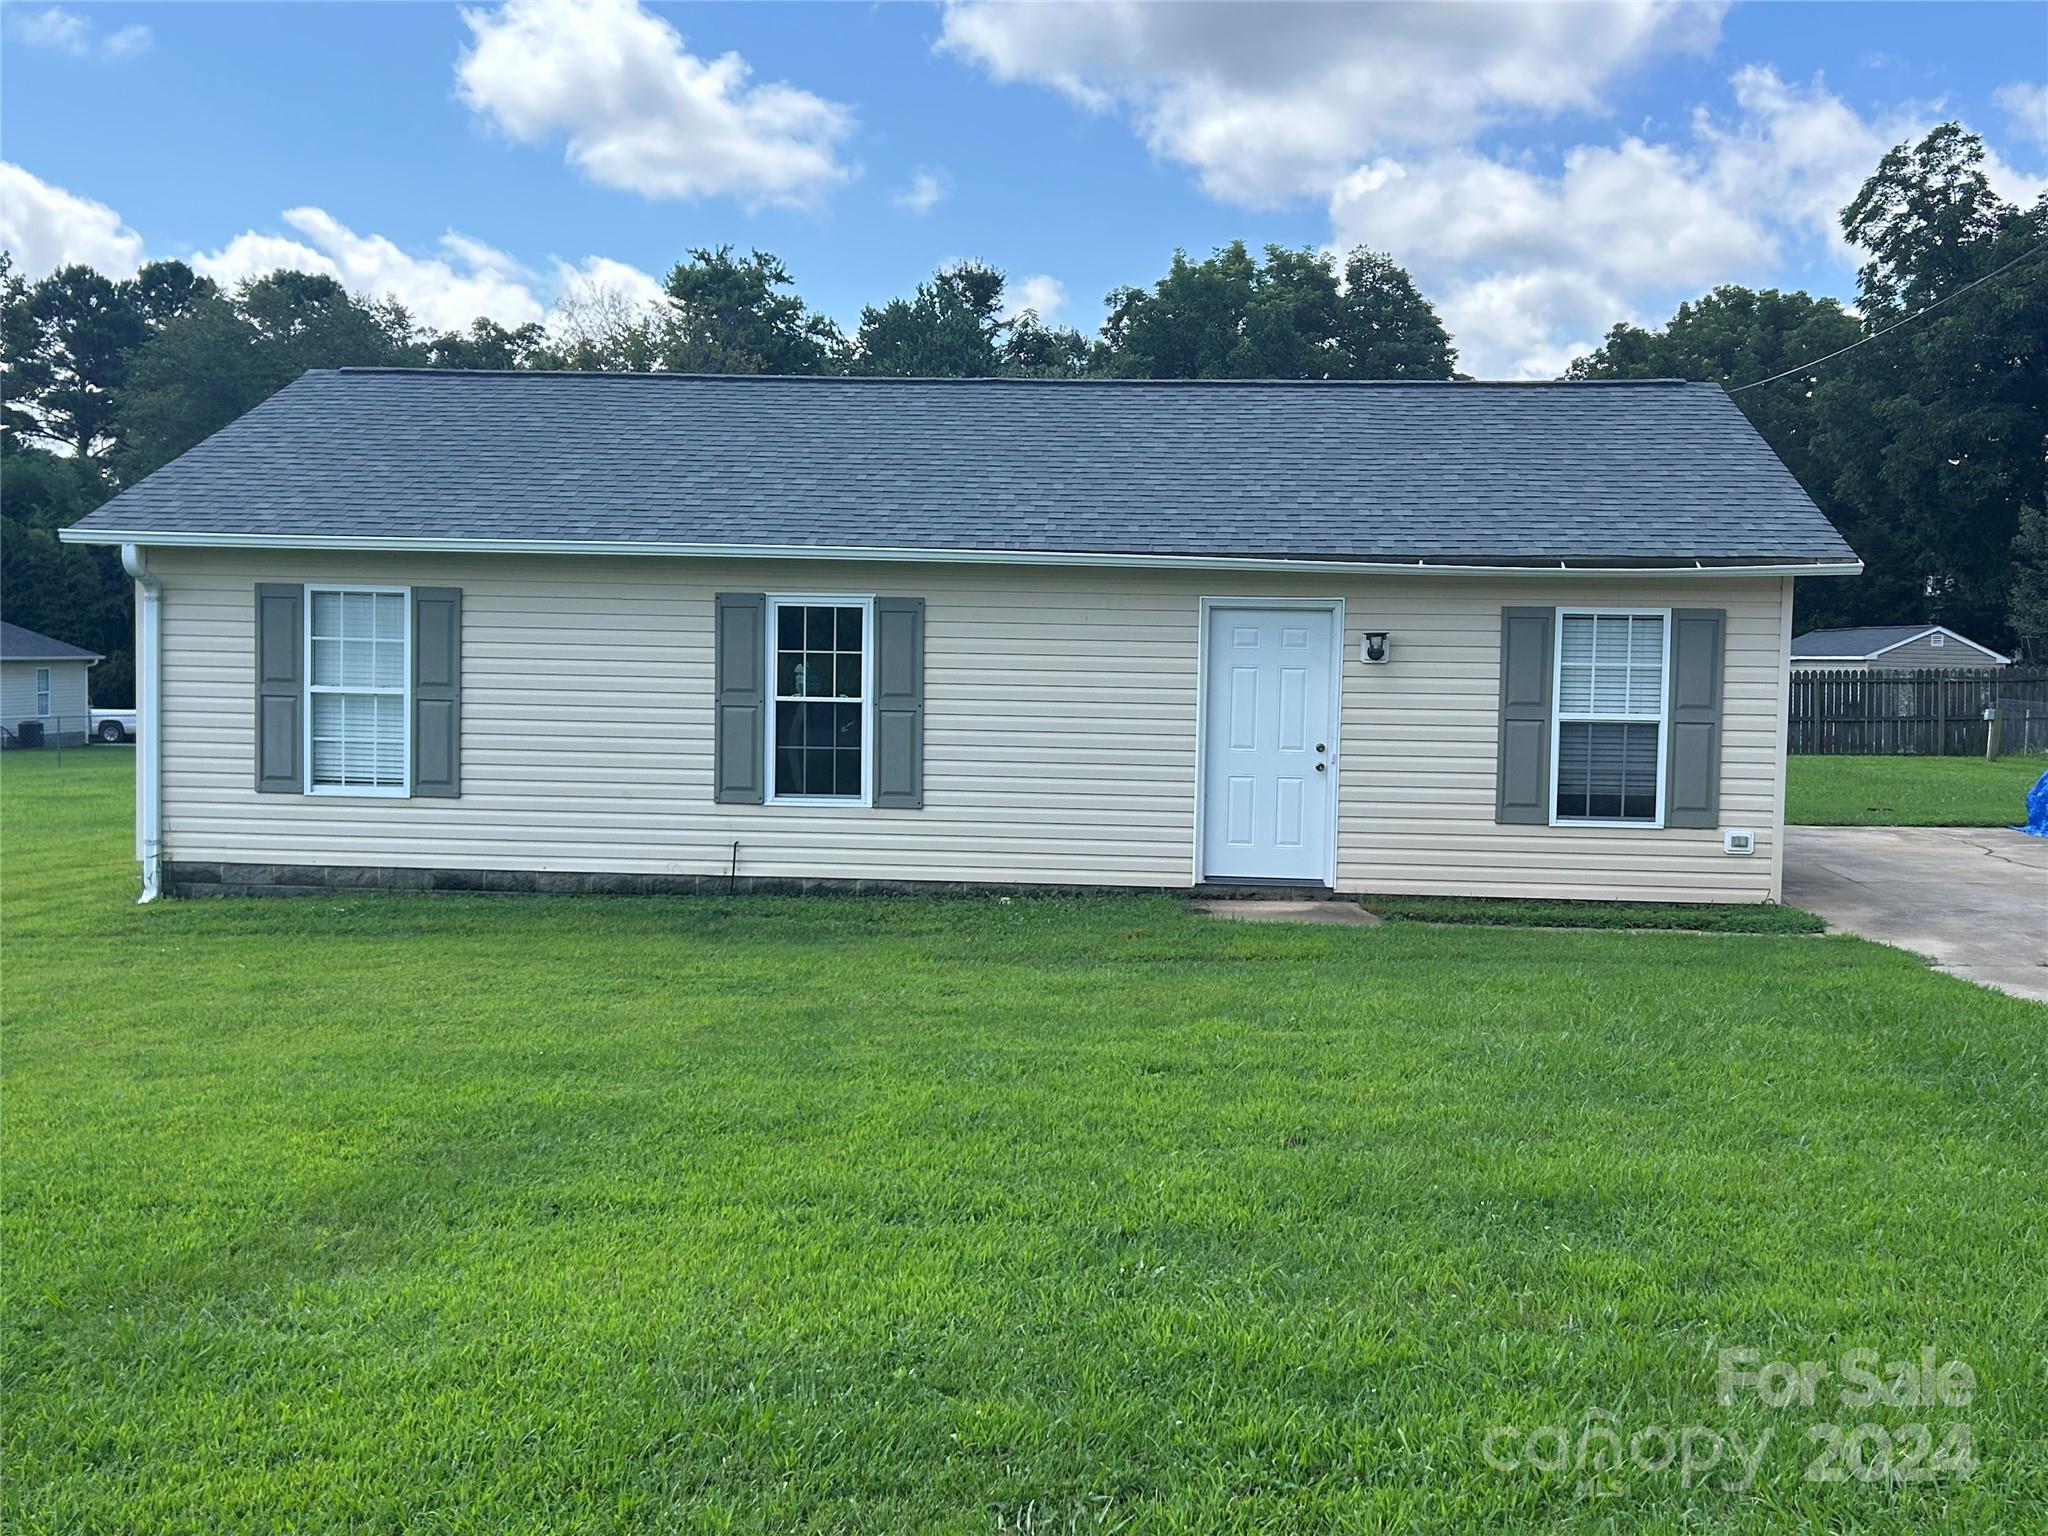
(1268,752)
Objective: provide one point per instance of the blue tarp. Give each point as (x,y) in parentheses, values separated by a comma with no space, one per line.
(2037,808)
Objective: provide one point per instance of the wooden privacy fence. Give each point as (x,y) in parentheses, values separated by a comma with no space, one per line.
(1916,711)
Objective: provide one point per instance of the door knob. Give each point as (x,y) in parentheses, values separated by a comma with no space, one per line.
(1320,767)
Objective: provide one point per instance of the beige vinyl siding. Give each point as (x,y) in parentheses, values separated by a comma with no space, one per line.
(587,718)
(1060,730)
(1416,793)
(67,695)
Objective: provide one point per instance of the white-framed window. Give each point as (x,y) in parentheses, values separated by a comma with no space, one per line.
(1612,687)
(43,692)
(821,666)
(358,690)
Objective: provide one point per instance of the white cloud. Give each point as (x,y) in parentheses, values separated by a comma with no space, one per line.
(2026,104)
(1539,320)
(45,227)
(599,302)
(447,291)
(464,279)
(57,29)
(924,193)
(1797,154)
(128,42)
(639,112)
(1046,296)
(1274,102)
(63,31)
(600,282)
(1635,211)
(1376,108)
(1531,267)
(251,254)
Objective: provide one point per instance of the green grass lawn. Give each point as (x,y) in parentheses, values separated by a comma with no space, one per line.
(1909,791)
(490,1214)
(1692,917)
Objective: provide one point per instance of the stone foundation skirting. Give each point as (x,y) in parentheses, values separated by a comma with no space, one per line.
(209,878)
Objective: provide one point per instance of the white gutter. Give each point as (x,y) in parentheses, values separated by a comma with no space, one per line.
(148,716)
(371,543)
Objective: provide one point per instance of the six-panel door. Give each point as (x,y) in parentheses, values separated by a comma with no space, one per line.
(1267,750)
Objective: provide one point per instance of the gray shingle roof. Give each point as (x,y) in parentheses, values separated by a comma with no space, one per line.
(1865,640)
(1628,473)
(18,644)
(1855,642)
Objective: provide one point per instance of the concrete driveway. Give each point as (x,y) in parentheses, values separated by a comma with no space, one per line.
(1974,900)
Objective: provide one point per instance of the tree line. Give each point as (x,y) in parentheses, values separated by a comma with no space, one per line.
(1926,447)
(1927,443)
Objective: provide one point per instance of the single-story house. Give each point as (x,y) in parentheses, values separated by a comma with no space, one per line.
(42,688)
(1889,647)
(607,631)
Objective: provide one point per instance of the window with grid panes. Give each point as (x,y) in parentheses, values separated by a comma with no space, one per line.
(819,724)
(356,670)
(1610,716)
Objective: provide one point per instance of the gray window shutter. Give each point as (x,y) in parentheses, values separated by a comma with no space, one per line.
(280,688)
(1692,776)
(899,702)
(437,691)
(739,727)
(1522,774)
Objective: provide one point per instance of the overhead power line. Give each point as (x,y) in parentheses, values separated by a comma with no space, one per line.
(1904,320)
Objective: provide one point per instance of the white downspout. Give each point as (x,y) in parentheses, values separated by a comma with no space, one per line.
(148,719)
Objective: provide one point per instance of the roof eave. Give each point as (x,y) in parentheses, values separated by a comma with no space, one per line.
(1497,565)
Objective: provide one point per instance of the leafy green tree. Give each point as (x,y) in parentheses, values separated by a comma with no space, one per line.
(1387,329)
(952,328)
(197,374)
(164,290)
(2029,611)
(1735,335)
(68,592)
(1924,442)
(68,355)
(1924,216)
(225,355)
(17,341)
(1730,337)
(1188,325)
(65,343)
(730,314)
(487,344)
(309,320)
(599,329)
(1937,427)
(1035,350)
(1293,315)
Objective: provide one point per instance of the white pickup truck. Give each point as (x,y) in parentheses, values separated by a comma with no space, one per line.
(113,726)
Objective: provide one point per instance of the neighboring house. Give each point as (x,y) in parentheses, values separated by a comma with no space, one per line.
(42,686)
(571,631)
(1886,647)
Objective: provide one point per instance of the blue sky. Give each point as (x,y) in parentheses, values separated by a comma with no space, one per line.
(1544,171)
